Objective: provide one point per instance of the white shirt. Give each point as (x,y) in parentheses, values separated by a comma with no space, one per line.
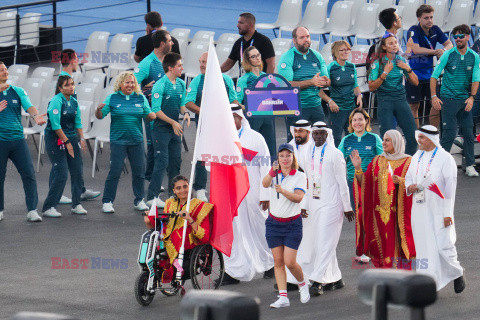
(282,207)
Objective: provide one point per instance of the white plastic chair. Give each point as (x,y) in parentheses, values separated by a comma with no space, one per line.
(88,92)
(289,15)
(29,34)
(85,114)
(315,17)
(77,78)
(384,4)
(180,33)
(34,87)
(7,26)
(461,12)
(19,70)
(366,26)
(190,63)
(12,80)
(203,36)
(119,53)
(476,17)
(340,22)
(44,73)
(315,45)
(101,133)
(441,11)
(326,53)
(409,16)
(97,78)
(359,56)
(97,45)
(223,51)
(182,45)
(228,38)
(357,4)
(281,44)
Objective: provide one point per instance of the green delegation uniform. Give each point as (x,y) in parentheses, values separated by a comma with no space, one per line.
(392,102)
(460,71)
(126,139)
(264,125)
(13,145)
(63,114)
(166,97)
(343,82)
(295,66)
(194,94)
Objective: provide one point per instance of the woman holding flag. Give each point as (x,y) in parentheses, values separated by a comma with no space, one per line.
(383,224)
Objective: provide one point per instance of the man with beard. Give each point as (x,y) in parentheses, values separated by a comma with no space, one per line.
(459,87)
(327,202)
(250,37)
(301,141)
(250,253)
(432,179)
(305,68)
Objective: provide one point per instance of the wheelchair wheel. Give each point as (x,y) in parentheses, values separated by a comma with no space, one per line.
(206,267)
(143,297)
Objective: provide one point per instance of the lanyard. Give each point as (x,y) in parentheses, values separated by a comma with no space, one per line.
(240,132)
(321,159)
(429,162)
(241,49)
(429,43)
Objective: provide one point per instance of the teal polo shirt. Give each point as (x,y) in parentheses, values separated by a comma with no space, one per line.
(392,88)
(296,66)
(459,73)
(64,114)
(246,81)
(149,69)
(195,89)
(11,117)
(168,97)
(343,82)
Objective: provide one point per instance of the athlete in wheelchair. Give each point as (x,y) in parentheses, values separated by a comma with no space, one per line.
(160,247)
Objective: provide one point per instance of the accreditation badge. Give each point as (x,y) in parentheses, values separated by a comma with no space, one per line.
(420,196)
(317,187)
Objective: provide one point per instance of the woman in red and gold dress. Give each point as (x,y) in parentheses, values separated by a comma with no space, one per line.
(383,210)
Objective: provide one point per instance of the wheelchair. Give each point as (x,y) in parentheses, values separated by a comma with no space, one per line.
(203,265)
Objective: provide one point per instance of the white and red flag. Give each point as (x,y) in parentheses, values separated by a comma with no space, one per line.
(429,184)
(219,146)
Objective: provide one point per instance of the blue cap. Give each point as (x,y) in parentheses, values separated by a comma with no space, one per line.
(285,146)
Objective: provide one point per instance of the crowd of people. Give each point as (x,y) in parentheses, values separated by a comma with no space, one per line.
(401,198)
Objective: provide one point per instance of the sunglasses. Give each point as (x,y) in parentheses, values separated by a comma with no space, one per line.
(388,35)
(255,56)
(458,36)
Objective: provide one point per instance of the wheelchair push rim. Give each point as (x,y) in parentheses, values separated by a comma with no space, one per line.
(206,267)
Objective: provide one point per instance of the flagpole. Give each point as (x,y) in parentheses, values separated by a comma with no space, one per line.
(192,175)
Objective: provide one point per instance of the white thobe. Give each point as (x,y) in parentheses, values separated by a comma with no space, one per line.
(435,243)
(321,230)
(250,252)
(300,151)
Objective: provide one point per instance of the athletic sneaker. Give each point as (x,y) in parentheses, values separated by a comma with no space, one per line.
(32,216)
(65,200)
(282,302)
(458,142)
(202,195)
(141,206)
(471,172)
(1,215)
(52,213)
(89,195)
(108,207)
(160,203)
(79,210)
(304,293)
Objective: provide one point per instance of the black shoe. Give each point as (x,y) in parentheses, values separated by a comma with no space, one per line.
(269,274)
(334,285)
(459,283)
(290,287)
(316,289)
(227,280)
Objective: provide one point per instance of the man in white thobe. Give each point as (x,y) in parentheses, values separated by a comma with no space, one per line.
(301,141)
(432,178)
(250,253)
(328,200)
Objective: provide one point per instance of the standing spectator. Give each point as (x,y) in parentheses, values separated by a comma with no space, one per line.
(386,78)
(128,106)
(345,93)
(168,101)
(305,68)
(250,37)
(63,140)
(392,21)
(459,87)
(12,142)
(252,64)
(145,44)
(425,36)
(69,62)
(193,103)
(147,73)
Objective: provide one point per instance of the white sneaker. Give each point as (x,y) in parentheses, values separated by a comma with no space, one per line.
(108,207)
(471,172)
(160,203)
(89,194)
(459,142)
(65,200)
(202,195)
(1,215)
(304,293)
(52,213)
(33,216)
(282,302)
(141,206)
(79,209)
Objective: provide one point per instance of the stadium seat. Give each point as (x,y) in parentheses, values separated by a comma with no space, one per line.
(182,44)
(476,17)
(85,113)
(340,21)
(223,51)
(203,36)
(366,23)
(326,53)
(12,80)
(88,92)
(409,16)
(7,27)
(190,63)
(34,87)
(289,15)
(441,11)
(359,56)
(19,70)
(461,12)
(357,4)
(46,74)
(119,54)
(180,34)
(97,45)
(282,44)
(315,17)
(100,131)
(228,38)
(314,45)
(97,78)
(384,4)
(77,77)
